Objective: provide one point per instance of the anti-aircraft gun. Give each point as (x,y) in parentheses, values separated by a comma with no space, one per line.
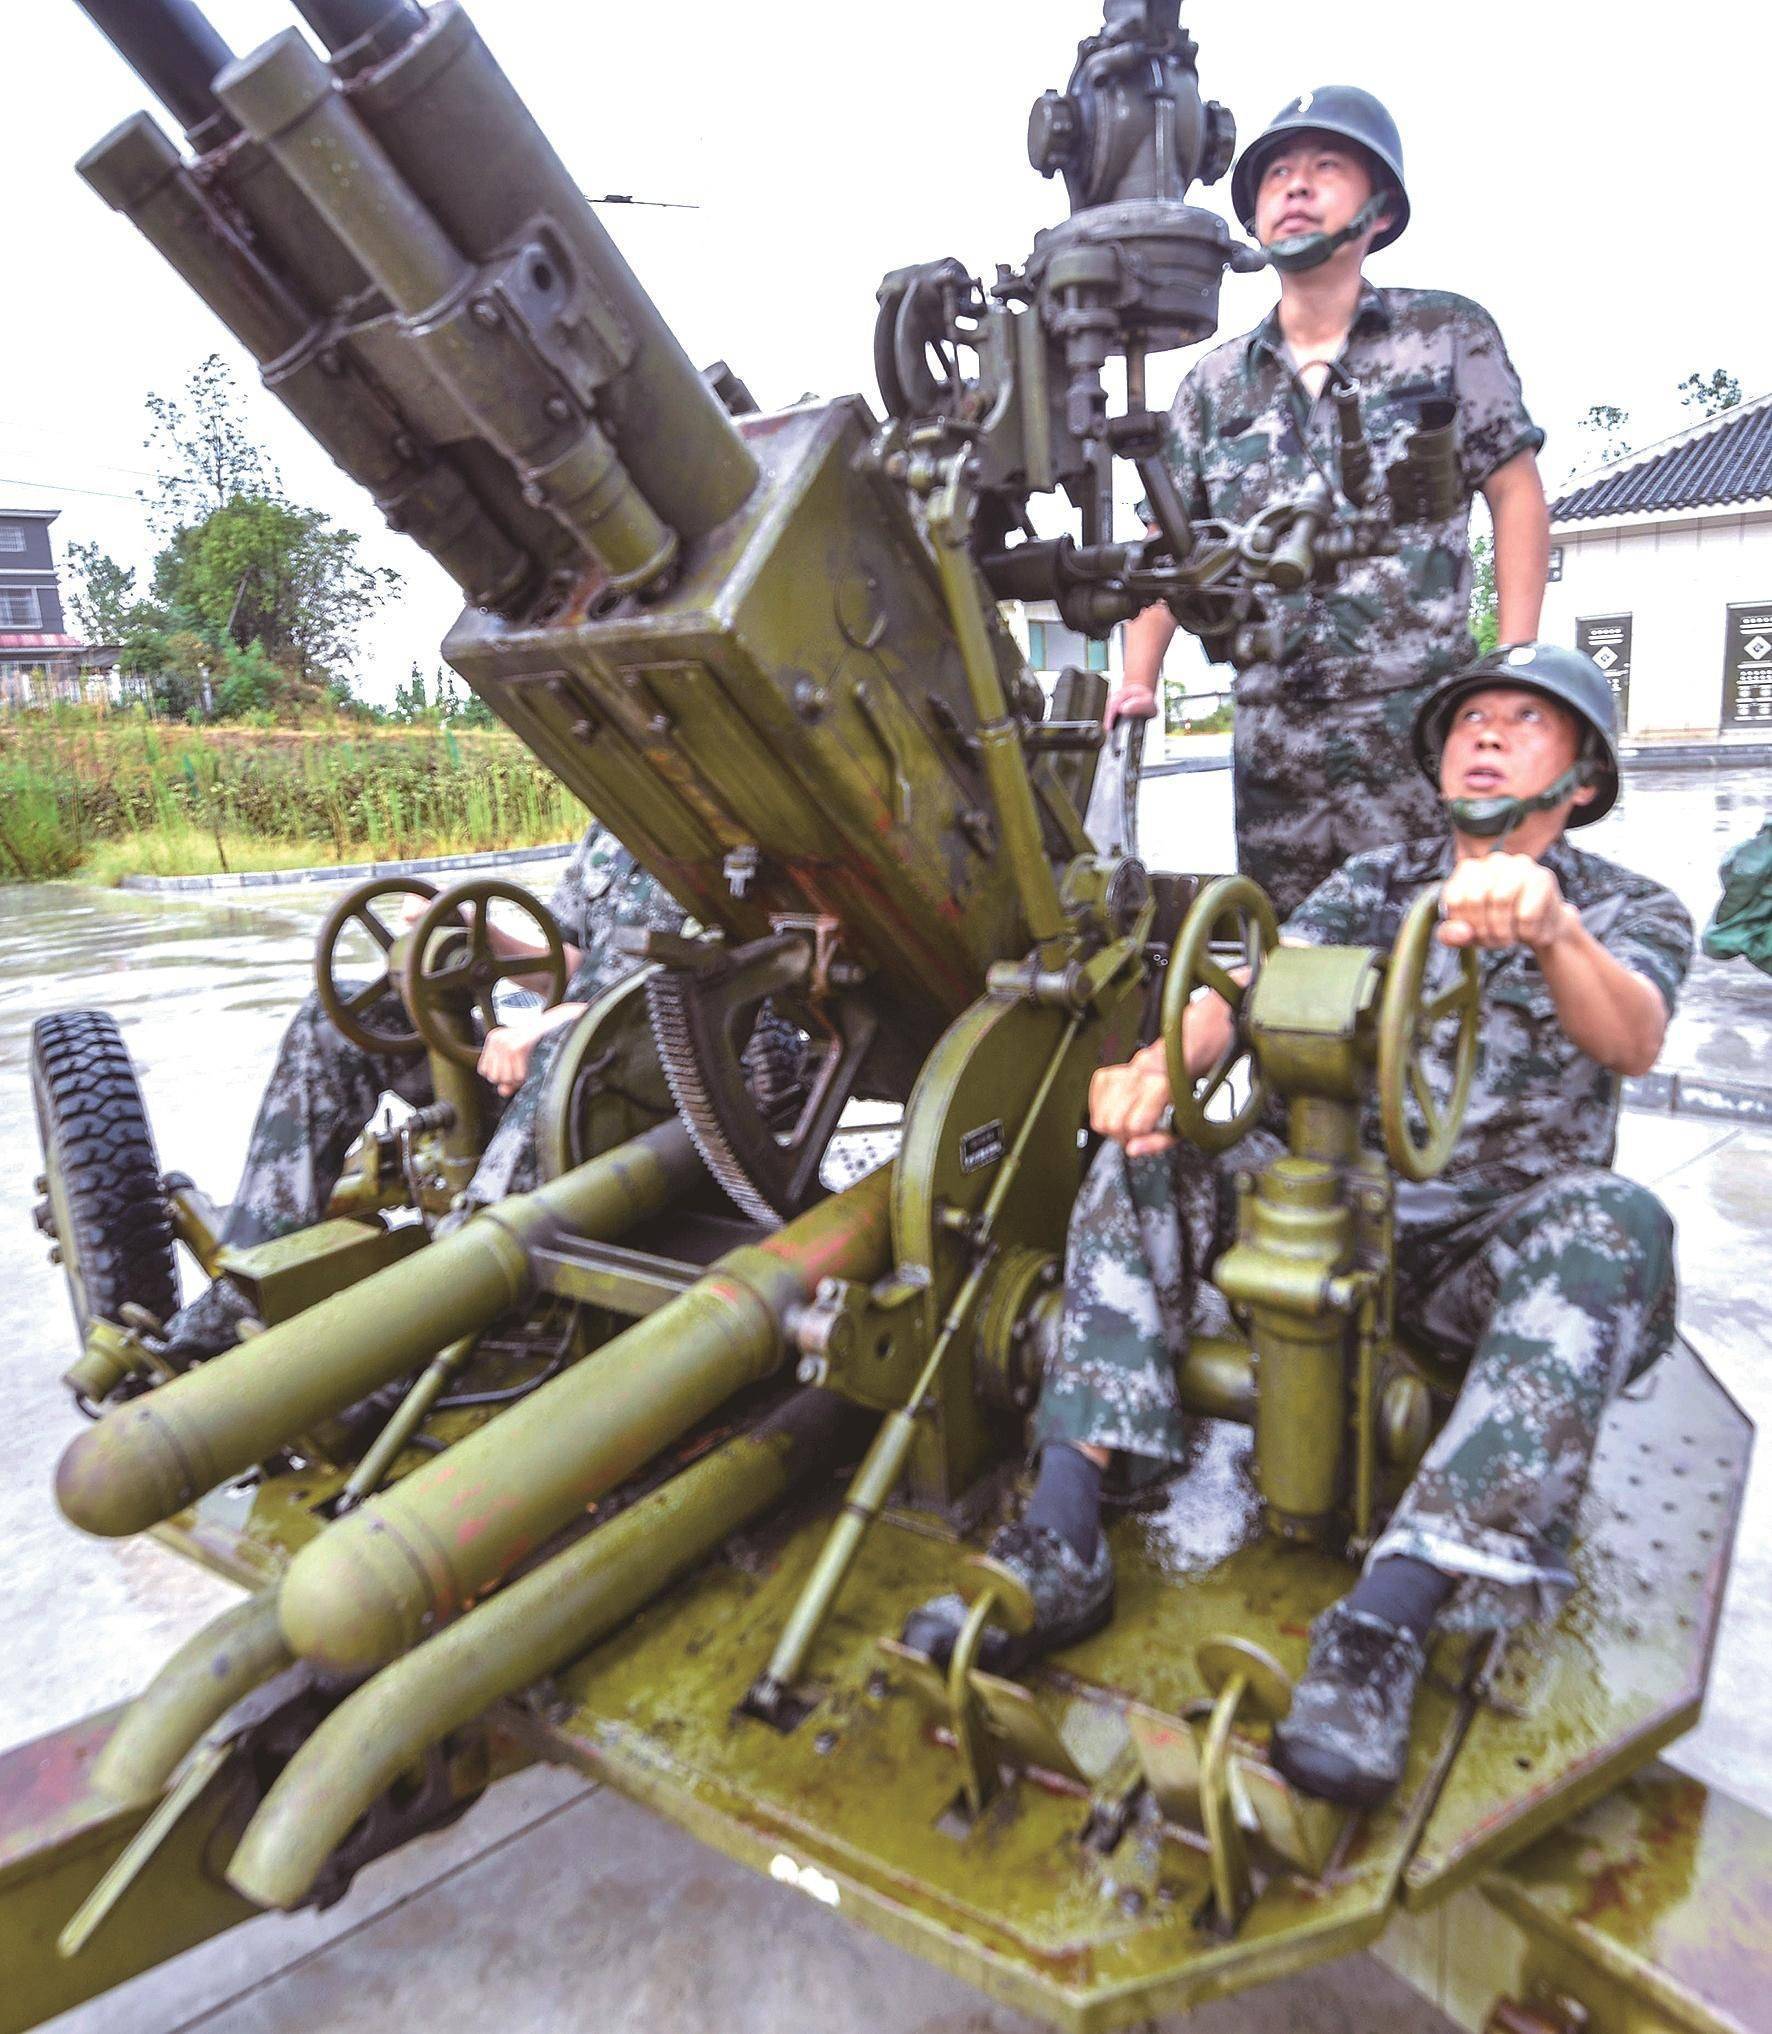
(766,649)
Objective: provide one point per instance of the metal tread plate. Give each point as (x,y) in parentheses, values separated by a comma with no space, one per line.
(857,1807)
(1576,1706)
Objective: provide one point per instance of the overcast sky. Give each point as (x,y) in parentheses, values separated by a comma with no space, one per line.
(1594,171)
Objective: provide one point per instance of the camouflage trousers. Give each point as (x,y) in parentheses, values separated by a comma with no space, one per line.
(1554,1297)
(1318,780)
(323,1091)
(321,1094)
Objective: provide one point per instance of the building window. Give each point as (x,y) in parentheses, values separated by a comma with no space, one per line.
(1053,647)
(19,608)
(11,539)
(1554,569)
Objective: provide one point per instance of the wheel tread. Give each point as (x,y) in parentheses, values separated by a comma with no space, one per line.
(90,1109)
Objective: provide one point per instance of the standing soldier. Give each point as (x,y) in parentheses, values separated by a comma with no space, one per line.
(1528,1256)
(1321,747)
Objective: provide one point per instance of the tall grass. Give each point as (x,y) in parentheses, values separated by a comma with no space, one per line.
(106,796)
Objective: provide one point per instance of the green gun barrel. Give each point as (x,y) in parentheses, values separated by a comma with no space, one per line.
(153,1456)
(670,428)
(466,334)
(373,1583)
(139,173)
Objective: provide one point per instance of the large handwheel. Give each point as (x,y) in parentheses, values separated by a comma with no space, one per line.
(346,1011)
(103,1206)
(1231,911)
(468,972)
(1406,1023)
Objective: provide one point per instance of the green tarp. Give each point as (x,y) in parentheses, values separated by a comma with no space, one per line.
(1741,925)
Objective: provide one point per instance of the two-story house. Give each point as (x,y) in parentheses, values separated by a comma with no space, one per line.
(35,642)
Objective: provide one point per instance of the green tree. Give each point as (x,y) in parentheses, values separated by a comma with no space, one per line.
(1710,394)
(1607,424)
(204,454)
(410,703)
(261,570)
(102,594)
(1485,610)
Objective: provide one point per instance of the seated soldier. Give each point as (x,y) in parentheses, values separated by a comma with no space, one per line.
(1527,1256)
(323,1089)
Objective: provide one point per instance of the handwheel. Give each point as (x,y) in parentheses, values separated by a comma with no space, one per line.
(432,985)
(346,1011)
(1405,1031)
(1232,910)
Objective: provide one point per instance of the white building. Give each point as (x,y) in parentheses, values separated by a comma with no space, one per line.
(1661,569)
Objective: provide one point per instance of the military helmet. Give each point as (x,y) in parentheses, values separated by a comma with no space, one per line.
(1331,109)
(1567,676)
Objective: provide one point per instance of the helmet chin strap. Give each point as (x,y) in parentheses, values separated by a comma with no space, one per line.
(1310,250)
(1496,818)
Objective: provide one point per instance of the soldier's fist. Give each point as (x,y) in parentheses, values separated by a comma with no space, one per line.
(1129,702)
(1503,900)
(1127,1102)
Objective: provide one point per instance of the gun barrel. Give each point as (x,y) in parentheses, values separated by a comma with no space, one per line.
(466,333)
(374,1582)
(671,430)
(153,1456)
(357,32)
(177,54)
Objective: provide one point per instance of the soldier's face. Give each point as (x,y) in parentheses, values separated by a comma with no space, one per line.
(1312,183)
(1506,742)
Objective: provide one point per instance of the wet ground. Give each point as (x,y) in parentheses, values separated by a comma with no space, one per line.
(505,1917)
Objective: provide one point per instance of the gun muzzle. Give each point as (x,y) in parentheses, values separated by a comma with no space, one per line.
(172,48)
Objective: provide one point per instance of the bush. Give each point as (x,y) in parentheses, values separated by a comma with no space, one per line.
(262,795)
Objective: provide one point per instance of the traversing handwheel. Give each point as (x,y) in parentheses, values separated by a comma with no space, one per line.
(347,1011)
(437,985)
(1233,911)
(1407,1020)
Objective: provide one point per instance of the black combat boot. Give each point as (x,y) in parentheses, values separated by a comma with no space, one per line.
(1072,1598)
(1346,1736)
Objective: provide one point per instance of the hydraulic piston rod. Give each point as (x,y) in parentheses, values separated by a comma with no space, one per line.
(153,1456)
(375,1582)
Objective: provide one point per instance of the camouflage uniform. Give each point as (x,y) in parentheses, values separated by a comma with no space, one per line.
(323,1089)
(1321,754)
(1527,1257)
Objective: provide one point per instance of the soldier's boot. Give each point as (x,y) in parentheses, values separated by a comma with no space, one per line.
(1072,1598)
(1346,1736)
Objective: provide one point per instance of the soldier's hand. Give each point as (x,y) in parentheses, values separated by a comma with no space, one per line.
(413,907)
(1129,702)
(1127,1102)
(504,1058)
(1503,900)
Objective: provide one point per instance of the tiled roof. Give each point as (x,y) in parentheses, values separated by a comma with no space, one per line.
(1728,459)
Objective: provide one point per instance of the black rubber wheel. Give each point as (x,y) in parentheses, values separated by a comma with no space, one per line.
(105,1207)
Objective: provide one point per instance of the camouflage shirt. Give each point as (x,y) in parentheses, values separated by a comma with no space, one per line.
(1539,1106)
(601,889)
(1245,432)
